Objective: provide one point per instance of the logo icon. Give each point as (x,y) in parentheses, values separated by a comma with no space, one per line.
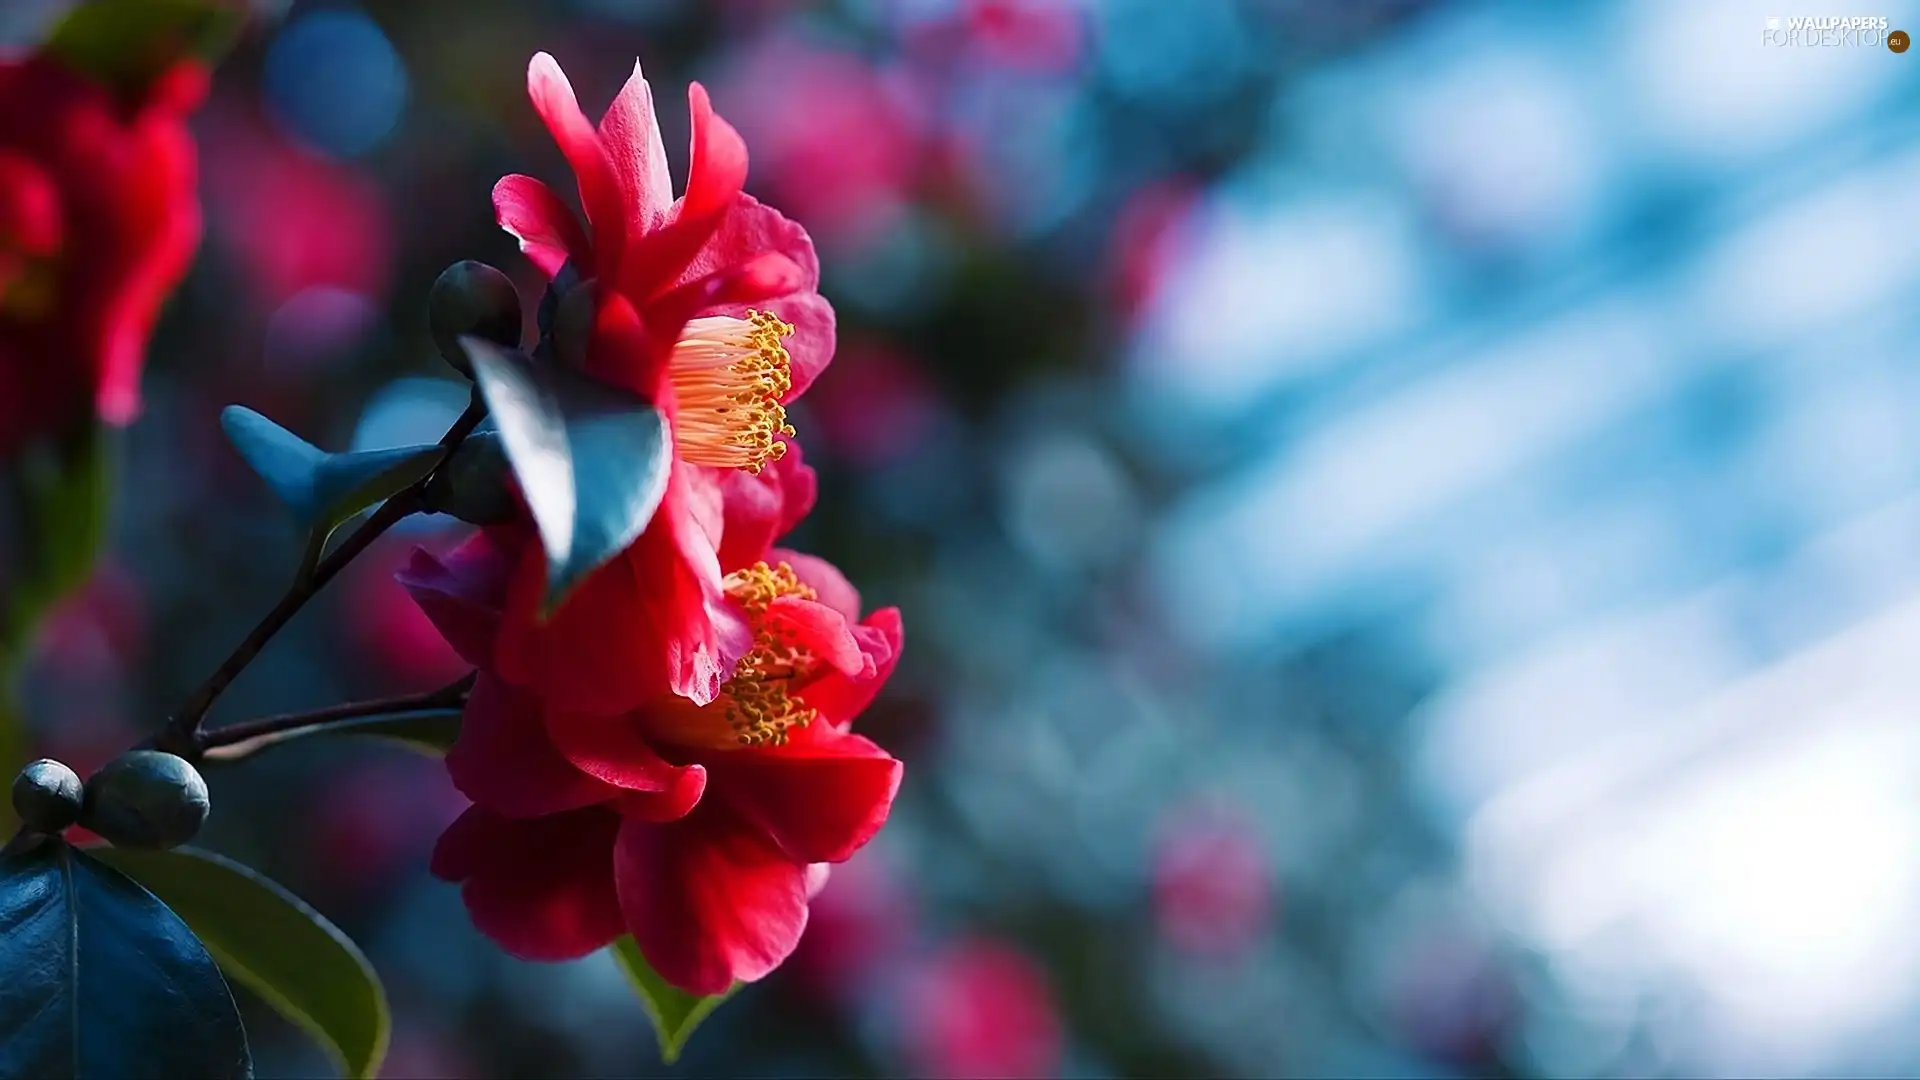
(1898,41)
(1773,22)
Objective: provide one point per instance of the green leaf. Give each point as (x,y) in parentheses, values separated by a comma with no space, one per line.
(124,44)
(592,459)
(271,942)
(59,491)
(323,490)
(103,981)
(674,1012)
(427,731)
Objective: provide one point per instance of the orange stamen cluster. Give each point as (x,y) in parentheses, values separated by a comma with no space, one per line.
(759,700)
(729,376)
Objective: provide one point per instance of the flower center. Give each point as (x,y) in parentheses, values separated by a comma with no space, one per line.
(759,701)
(729,376)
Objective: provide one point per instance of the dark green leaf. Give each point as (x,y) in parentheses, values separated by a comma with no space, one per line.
(428,731)
(271,942)
(126,43)
(59,493)
(674,1012)
(103,981)
(322,489)
(592,459)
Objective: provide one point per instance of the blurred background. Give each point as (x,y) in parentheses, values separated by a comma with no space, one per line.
(1408,517)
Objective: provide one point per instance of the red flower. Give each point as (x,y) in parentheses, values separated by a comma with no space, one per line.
(982,1008)
(98,223)
(699,829)
(671,284)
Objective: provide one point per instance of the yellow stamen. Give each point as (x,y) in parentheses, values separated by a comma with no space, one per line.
(760,707)
(729,376)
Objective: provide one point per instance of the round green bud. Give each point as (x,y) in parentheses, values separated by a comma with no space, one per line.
(474,483)
(146,799)
(47,796)
(471,297)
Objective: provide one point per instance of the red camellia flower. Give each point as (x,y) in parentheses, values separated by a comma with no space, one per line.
(699,829)
(706,306)
(98,223)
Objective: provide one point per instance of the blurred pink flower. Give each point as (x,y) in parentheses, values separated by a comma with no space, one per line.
(291,219)
(862,918)
(1045,36)
(834,138)
(387,628)
(873,404)
(981,1008)
(1212,884)
(371,823)
(100,629)
(1144,240)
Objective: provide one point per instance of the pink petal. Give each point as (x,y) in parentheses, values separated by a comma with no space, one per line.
(709,899)
(718,159)
(631,134)
(840,697)
(463,593)
(553,99)
(822,631)
(761,509)
(504,761)
(820,797)
(824,578)
(542,888)
(548,232)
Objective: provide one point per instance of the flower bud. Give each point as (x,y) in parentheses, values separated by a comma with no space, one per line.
(471,297)
(47,796)
(573,324)
(146,799)
(474,483)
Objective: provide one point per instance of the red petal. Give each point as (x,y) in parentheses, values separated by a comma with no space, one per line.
(820,797)
(824,578)
(463,593)
(548,232)
(822,631)
(717,169)
(761,509)
(709,899)
(839,697)
(612,749)
(631,134)
(599,189)
(504,761)
(653,620)
(543,889)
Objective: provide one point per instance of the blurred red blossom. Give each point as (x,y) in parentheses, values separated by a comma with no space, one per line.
(387,627)
(874,405)
(663,310)
(373,822)
(101,628)
(981,1008)
(693,827)
(1145,240)
(1212,882)
(98,223)
(292,219)
(863,918)
(1029,35)
(837,138)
